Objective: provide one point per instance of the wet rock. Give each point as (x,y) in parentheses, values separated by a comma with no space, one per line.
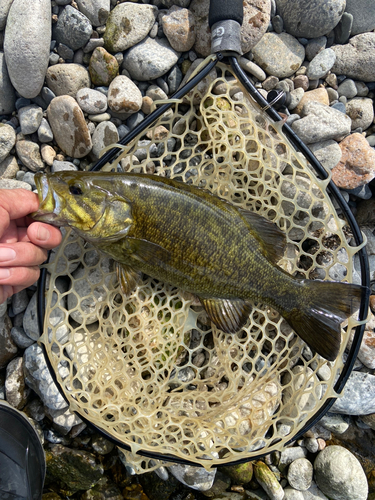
(361,112)
(339,474)
(357,164)
(240,474)
(105,490)
(72,29)
(300,474)
(15,388)
(7,94)
(357,58)
(124,96)
(179,28)
(128,24)
(156,488)
(279,54)
(101,445)
(334,423)
(27,62)
(73,470)
(96,10)
(7,140)
(29,153)
(67,79)
(103,67)
(327,152)
(195,477)
(266,478)
(359,395)
(310,20)
(69,126)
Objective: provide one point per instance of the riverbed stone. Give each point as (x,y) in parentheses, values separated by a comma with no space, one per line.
(67,79)
(103,67)
(29,153)
(8,349)
(363,12)
(30,118)
(317,95)
(321,64)
(300,474)
(97,11)
(359,395)
(279,54)
(27,62)
(127,24)
(7,94)
(361,112)
(179,28)
(69,126)
(356,59)
(124,96)
(327,152)
(72,29)
(7,140)
(9,168)
(91,101)
(16,390)
(357,164)
(104,135)
(4,9)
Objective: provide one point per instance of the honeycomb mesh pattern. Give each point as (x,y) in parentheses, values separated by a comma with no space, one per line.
(150,370)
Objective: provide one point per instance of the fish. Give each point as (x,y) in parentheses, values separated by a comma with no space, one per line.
(192,239)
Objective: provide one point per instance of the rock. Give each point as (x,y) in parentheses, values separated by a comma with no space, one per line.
(27,62)
(357,164)
(72,470)
(97,11)
(20,338)
(363,12)
(59,166)
(200,89)
(315,46)
(91,101)
(64,420)
(174,79)
(279,54)
(7,140)
(343,29)
(67,79)
(69,126)
(347,88)
(9,168)
(310,20)
(38,378)
(48,153)
(101,445)
(8,349)
(105,490)
(150,59)
(103,67)
(317,95)
(313,493)
(44,132)
(179,28)
(321,122)
(300,474)
(359,395)
(339,474)
(334,423)
(267,479)
(327,152)
(72,28)
(366,353)
(14,184)
(7,94)
(292,494)
(240,474)
(4,9)
(124,96)
(361,112)
(321,64)
(196,478)
(301,81)
(357,58)
(156,488)
(256,19)
(29,153)
(252,68)
(128,24)
(15,388)
(30,118)
(104,135)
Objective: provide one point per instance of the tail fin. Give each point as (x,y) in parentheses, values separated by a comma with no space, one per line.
(322,307)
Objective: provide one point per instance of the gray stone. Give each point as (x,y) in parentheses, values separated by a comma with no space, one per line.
(45,133)
(340,106)
(288,455)
(27,62)
(327,152)
(29,177)
(321,122)
(357,58)
(344,28)
(8,349)
(14,184)
(359,395)
(196,478)
(362,89)
(104,135)
(30,118)
(7,94)
(7,140)
(347,88)
(315,46)
(92,44)
(150,59)
(65,52)
(29,153)
(310,19)
(96,10)
(295,97)
(124,96)
(9,168)
(135,120)
(72,28)
(4,9)
(128,24)
(91,101)
(101,117)
(321,64)
(174,79)
(123,130)
(20,338)
(361,112)
(69,126)
(60,166)
(300,474)
(252,68)
(101,445)
(15,388)
(292,494)
(63,419)
(39,379)
(363,12)
(279,54)
(313,493)
(339,474)
(67,79)
(334,423)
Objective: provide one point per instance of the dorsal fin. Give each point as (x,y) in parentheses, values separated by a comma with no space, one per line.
(269,235)
(228,315)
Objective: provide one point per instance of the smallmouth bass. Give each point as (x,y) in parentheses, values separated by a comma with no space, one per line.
(190,238)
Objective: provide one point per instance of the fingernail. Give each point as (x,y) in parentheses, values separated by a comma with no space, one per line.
(4,273)
(43,234)
(7,254)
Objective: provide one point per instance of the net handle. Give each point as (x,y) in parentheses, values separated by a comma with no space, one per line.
(223,10)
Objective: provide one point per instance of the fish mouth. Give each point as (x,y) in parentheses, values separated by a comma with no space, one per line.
(47,202)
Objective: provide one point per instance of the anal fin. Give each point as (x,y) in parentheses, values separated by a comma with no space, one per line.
(228,315)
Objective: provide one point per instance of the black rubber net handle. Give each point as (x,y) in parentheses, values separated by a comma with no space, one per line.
(224,10)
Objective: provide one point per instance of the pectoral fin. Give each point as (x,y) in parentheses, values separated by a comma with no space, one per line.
(146,251)
(127,277)
(228,315)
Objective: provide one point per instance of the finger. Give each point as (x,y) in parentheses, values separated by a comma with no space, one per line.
(22,254)
(44,235)
(6,291)
(14,204)
(19,276)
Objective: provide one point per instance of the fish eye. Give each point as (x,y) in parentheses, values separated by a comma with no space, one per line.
(75,190)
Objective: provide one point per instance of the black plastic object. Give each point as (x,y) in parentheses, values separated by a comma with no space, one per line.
(225,10)
(22,460)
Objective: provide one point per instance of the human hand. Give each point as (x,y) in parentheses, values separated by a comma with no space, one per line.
(23,243)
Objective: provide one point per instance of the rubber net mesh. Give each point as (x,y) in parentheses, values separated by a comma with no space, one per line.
(151,370)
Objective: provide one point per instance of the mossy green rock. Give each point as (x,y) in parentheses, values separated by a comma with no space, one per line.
(72,470)
(103,67)
(267,479)
(240,474)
